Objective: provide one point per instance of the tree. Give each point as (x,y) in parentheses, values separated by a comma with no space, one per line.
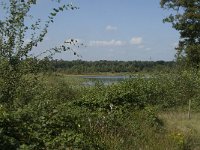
(16,25)
(186,20)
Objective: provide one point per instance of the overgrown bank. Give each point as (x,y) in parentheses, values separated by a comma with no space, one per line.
(53,113)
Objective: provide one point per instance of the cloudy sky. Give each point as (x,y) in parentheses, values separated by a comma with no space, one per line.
(112,30)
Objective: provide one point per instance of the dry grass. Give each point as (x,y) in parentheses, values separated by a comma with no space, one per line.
(180,121)
(177,123)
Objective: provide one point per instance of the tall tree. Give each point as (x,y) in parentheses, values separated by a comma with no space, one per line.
(186,19)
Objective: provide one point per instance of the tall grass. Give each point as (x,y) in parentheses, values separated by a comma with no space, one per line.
(184,130)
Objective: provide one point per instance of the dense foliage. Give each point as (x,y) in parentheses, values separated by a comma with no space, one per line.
(53,114)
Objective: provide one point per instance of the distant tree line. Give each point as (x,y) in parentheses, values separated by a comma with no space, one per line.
(82,67)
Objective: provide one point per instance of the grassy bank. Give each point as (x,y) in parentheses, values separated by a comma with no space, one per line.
(182,129)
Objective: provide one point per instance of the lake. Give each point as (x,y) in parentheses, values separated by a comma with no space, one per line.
(106,80)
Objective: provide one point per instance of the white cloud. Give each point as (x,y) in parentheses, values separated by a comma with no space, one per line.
(111,43)
(141,46)
(107,43)
(111,28)
(136,41)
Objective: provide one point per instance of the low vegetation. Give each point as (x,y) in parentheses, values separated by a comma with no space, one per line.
(57,111)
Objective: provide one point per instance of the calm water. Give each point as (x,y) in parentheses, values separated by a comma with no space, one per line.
(106,80)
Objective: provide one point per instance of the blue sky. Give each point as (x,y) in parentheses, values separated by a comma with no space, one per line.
(112,30)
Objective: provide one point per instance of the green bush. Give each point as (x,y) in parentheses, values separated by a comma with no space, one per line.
(165,91)
(42,116)
(48,113)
